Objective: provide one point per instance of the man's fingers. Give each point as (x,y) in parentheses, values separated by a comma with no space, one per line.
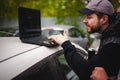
(65,33)
(51,38)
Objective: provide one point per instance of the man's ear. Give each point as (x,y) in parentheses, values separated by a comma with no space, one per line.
(104,19)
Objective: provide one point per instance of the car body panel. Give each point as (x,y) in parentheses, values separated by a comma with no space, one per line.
(19,56)
(12,46)
(16,57)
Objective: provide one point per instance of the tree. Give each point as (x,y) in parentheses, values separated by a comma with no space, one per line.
(54,8)
(49,8)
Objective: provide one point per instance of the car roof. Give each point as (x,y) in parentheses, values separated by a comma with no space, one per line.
(12,47)
(16,57)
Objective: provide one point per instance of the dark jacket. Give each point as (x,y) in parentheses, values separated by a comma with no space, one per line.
(107,57)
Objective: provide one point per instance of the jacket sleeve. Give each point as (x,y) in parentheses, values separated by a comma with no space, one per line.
(76,61)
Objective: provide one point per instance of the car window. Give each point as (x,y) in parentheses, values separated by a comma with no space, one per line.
(53,67)
(51,32)
(66,70)
(43,70)
(73,32)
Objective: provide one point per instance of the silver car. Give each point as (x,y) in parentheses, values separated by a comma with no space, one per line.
(73,33)
(23,61)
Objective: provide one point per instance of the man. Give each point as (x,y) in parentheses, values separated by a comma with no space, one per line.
(98,19)
(118,9)
(100,74)
(99,71)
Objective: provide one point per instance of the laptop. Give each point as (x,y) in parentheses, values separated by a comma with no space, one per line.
(29,21)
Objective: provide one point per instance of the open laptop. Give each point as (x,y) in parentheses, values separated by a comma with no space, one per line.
(29,21)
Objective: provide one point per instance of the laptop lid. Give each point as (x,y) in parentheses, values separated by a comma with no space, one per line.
(29,21)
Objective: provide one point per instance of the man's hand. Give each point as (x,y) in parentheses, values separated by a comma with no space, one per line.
(99,74)
(59,39)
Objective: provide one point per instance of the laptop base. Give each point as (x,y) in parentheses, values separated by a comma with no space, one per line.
(41,43)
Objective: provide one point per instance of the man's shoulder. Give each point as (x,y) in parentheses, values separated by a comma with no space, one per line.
(115,19)
(111,40)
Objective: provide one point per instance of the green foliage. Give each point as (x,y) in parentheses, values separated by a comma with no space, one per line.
(49,8)
(115,3)
(61,9)
(56,8)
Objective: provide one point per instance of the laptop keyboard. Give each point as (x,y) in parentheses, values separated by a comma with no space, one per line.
(40,41)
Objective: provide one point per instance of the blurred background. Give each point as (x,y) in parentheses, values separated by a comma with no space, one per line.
(53,12)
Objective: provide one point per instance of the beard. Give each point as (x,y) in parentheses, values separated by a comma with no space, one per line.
(97,29)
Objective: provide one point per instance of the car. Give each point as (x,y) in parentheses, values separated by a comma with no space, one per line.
(74,35)
(23,61)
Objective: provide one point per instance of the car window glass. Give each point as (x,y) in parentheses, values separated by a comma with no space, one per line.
(73,32)
(55,32)
(67,71)
(51,32)
(41,71)
(53,67)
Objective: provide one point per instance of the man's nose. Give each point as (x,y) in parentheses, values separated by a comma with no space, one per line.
(85,20)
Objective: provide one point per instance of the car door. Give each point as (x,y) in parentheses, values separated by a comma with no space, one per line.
(63,69)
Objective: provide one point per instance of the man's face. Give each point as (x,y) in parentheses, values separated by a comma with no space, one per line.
(92,23)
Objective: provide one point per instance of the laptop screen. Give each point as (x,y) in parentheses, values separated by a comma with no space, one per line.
(29,22)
